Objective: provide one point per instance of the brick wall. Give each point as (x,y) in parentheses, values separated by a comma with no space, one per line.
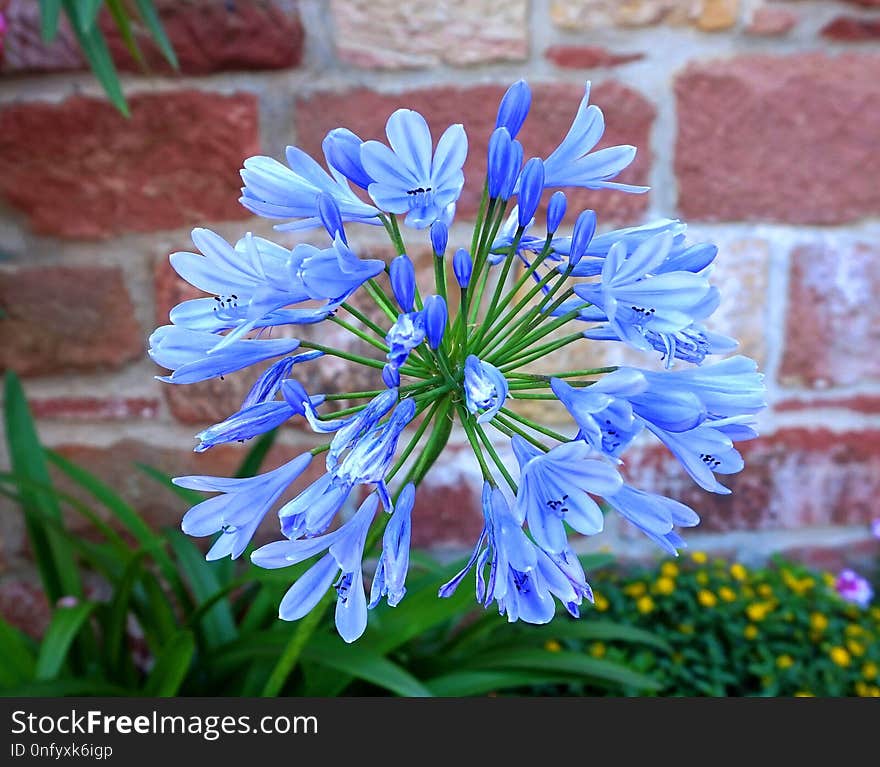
(758,122)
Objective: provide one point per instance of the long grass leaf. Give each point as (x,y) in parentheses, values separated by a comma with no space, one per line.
(171,666)
(66,623)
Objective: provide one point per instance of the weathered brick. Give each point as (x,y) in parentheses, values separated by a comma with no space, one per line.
(784,138)
(851,29)
(588,56)
(861,556)
(628,117)
(376,34)
(708,15)
(95,408)
(794,478)
(833,320)
(207,36)
(60,318)
(861,403)
(771,22)
(79,169)
(23,604)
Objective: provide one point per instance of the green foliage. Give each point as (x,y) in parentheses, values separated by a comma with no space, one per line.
(174,624)
(736,631)
(83,18)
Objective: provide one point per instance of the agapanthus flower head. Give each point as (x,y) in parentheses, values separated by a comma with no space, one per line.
(854,588)
(471,352)
(411,177)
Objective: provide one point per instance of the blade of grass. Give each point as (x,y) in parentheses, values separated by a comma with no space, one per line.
(19,661)
(123,24)
(66,623)
(49,17)
(151,18)
(171,666)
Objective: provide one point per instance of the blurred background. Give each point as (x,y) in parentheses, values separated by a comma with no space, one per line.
(756,122)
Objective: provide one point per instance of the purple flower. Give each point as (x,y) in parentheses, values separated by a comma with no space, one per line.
(853,588)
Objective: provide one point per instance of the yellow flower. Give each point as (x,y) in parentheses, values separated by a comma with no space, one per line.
(645,605)
(686,628)
(597,650)
(551,645)
(757,611)
(869,670)
(669,569)
(873,691)
(855,648)
(829,579)
(635,590)
(738,571)
(727,594)
(664,585)
(839,656)
(875,613)
(854,630)
(750,631)
(700,557)
(702,578)
(861,689)
(765,591)
(600,602)
(804,694)
(706,598)
(784,661)
(818,622)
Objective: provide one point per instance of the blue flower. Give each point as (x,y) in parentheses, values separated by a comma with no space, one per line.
(439,238)
(436,315)
(485,388)
(405,335)
(341,567)
(332,273)
(691,344)
(258,417)
(360,453)
(273,190)
(514,107)
(637,301)
(523,578)
(193,357)
(407,178)
(239,508)
(331,216)
(394,561)
(584,228)
(342,148)
(708,449)
(531,185)
(573,163)
(267,385)
(555,211)
(655,515)
(462,265)
(503,164)
(402,274)
(553,489)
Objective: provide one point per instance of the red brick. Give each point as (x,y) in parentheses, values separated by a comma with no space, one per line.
(448,511)
(79,169)
(95,408)
(833,322)
(851,29)
(210,36)
(207,36)
(794,478)
(58,318)
(588,56)
(771,22)
(628,117)
(860,556)
(787,138)
(862,404)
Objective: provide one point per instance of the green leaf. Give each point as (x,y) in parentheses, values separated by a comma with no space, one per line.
(192,497)
(93,46)
(127,516)
(151,18)
(123,24)
(49,15)
(459,684)
(55,560)
(18,657)
(85,13)
(58,688)
(117,613)
(606,631)
(366,665)
(218,624)
(597,670)
(66,623)
(171,666)
(294,648)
